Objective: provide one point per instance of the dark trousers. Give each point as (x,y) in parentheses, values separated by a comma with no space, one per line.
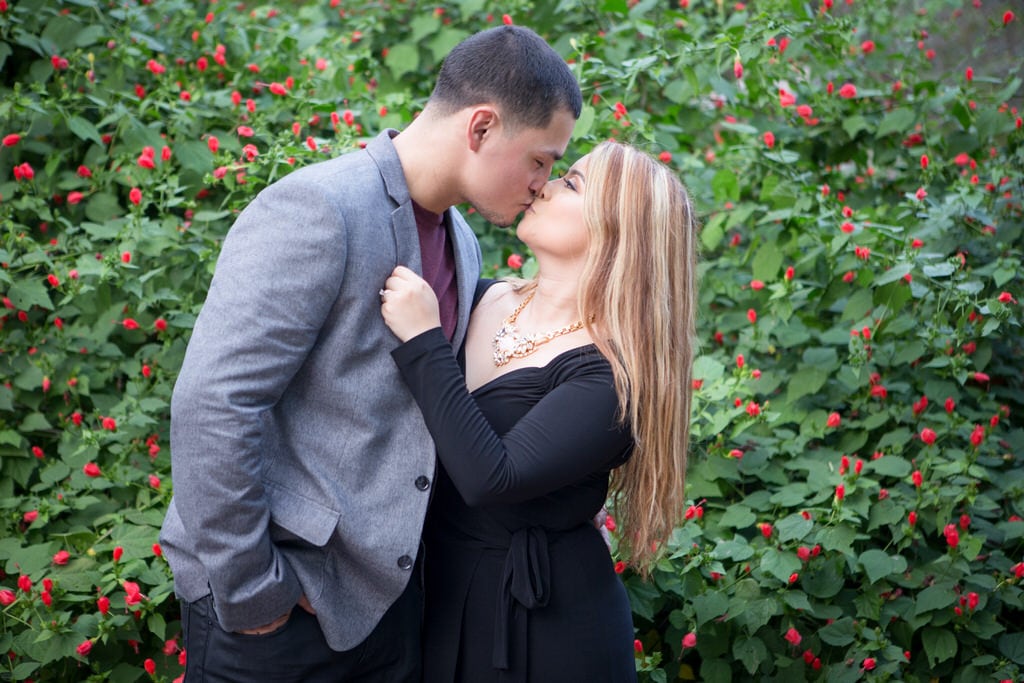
(298,653)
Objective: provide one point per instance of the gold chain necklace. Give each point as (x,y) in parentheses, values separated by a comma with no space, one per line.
(509,343)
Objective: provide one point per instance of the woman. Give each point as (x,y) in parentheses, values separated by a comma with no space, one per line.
(582,371)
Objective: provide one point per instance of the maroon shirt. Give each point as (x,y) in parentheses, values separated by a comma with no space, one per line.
(438,265)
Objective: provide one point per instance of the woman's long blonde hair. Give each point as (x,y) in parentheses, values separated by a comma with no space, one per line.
(639,292)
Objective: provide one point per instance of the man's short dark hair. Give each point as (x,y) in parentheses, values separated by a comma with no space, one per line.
(512,67)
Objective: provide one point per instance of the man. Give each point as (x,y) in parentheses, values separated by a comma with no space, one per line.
(301,465)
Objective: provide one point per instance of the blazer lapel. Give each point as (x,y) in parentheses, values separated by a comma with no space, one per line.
(467,269)
(403,221)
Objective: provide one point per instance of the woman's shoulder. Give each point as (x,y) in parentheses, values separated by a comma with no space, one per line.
(489,292)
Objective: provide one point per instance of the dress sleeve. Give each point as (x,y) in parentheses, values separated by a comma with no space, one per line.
(571,432)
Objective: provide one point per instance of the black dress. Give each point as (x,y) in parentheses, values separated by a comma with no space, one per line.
(519,584)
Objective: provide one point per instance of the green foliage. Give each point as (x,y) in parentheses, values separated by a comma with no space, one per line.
(870,357)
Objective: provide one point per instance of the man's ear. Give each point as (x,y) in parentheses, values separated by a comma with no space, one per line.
(484,122)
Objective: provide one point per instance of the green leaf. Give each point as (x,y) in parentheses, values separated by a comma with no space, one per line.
(939,596)
(710,606)
(738,517)
(877,564)
(767,262)
(897,121)
(793,528)
(725,186)
(584,123)
(1012,646)
(26,293)
(402,58)
(839,633)
(779,564)
(84,129)
(939,644)
(751,651)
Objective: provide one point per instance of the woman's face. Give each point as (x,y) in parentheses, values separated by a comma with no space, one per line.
(554,222)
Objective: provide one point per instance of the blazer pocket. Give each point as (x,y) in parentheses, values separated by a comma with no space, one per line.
(306,518)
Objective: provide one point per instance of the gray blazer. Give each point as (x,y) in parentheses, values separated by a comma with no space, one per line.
(301,464)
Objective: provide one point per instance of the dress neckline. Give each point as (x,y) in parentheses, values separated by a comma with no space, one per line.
(545,366)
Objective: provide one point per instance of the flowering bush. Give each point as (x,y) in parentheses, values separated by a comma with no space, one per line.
(856,484)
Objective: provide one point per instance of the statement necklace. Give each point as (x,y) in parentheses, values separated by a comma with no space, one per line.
(509,343)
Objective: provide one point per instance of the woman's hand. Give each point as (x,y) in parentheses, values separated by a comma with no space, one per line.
(409,305)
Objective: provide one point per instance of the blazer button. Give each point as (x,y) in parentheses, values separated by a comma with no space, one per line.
(422,483)
(405,562)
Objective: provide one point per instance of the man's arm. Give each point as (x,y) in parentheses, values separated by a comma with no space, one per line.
(277,277)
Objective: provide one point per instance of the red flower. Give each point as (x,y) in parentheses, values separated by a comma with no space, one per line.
(11,140)
(912,518)
(62,557)
(620,567)
(804,553)
(130,324)
(213,143)
(160,324)
(103,604)
(848,91)
(665,157)
(506,19)
(84,648)
(969,74)
(793,637)
(91,469)
(690,640)
(847,227)
(154,481)
(786,98)
(917,478)
(868,46)
(30,516)
(952,535)
(769,139)
(155,67)
(751,315)
(740,360)
(150,666)
(1005,298)
(1007,17)
(74,197)
(126,257)
(789,273)
(840,492)
(145,161)
(24,584)
(977,435)
(981,377)
(766,529)
(737,68)
(84,172)
(753,409)
(118,552)
(135,196)
(868,664)
(278,89)
(834,420)
(157,550)
(638,647)
(928,436)
(924,161)
(53,280)
(920,194)
(7,597)
(965,521)
(109,423)
(133,595)
(515,261)
(245,132)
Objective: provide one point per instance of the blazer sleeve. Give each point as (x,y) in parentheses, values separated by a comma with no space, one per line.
(570,433)
(277,277)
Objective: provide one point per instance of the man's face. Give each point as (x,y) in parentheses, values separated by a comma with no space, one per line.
(511,168)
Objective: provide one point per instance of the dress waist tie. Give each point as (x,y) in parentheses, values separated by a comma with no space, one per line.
(525,584)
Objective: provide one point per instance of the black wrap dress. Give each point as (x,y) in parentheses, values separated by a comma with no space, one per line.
(519,585)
